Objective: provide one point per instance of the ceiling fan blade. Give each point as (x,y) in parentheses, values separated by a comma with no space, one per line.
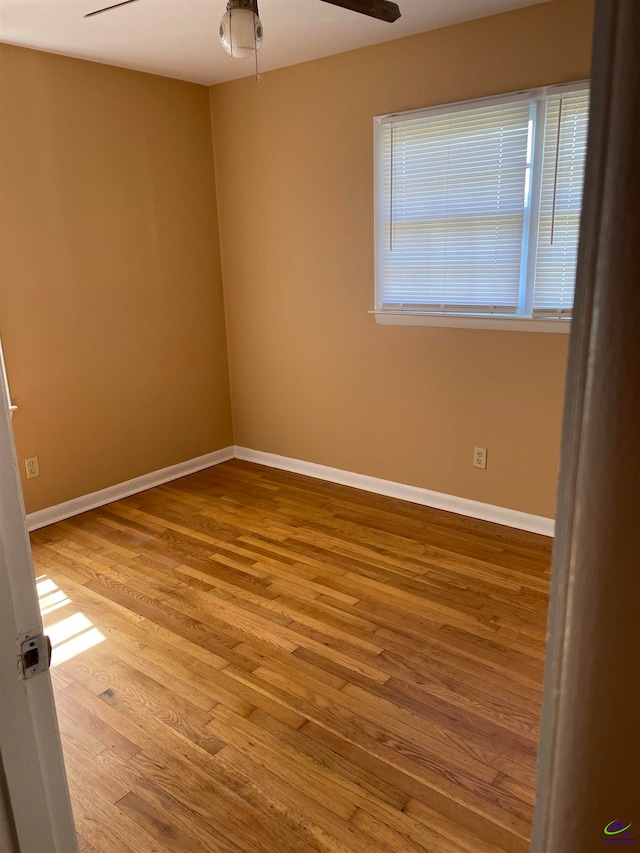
(383,10)
(107,8)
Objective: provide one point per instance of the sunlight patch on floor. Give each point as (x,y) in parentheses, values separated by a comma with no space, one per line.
(53,601)
(76,646)
(70,635)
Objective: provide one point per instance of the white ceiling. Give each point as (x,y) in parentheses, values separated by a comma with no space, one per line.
(179,38)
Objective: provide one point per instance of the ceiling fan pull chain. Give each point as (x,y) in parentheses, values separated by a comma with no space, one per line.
(255,53)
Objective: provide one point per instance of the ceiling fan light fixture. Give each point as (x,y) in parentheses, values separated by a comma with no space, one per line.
(241,29)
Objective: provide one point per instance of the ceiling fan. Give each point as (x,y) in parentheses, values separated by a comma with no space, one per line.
(241,28)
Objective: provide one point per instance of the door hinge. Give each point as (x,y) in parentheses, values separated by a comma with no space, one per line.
(36,655)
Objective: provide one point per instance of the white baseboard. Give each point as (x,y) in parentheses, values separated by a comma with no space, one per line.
(414,494)
(59,512)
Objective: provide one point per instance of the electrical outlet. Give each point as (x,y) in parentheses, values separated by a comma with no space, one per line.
(32,466)
(480,457)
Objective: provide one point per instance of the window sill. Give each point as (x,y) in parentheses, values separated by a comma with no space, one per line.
(466,321)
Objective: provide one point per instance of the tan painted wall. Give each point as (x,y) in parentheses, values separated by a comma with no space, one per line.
(111,307)
(312,375)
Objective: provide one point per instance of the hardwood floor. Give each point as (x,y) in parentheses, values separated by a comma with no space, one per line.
(251,660)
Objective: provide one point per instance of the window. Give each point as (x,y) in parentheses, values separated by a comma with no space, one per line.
(478,210)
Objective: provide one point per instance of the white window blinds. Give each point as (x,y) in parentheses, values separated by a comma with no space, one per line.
(453,209)
(565,151)
(478,205)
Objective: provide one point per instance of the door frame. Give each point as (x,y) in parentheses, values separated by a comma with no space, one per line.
(589,751)
(30,745)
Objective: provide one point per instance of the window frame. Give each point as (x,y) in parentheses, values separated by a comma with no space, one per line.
(523,320)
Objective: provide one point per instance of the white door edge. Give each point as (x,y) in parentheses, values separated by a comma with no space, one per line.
(29,738)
